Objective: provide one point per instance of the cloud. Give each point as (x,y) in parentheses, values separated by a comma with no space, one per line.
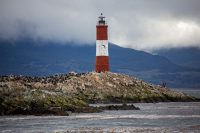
(139,24)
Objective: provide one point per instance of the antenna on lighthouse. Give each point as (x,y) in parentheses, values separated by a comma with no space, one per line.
(102,58)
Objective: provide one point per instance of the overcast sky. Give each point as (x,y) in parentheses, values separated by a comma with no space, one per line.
(139,24)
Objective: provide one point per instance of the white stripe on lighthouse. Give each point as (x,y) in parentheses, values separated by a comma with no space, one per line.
(101,47)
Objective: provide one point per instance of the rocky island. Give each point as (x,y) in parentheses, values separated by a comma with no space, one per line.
(74,92)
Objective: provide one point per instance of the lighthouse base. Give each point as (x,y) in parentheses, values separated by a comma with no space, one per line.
(102,63)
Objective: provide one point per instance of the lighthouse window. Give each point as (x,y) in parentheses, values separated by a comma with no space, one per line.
(101,22)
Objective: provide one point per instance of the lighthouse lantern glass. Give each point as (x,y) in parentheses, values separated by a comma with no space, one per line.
(102,20)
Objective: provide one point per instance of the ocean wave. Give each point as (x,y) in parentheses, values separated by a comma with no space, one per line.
(134,116)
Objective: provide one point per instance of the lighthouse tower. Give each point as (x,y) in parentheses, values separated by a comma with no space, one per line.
(102,57)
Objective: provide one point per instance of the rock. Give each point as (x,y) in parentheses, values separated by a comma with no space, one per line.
(73,92)
(58,111)
(119,107)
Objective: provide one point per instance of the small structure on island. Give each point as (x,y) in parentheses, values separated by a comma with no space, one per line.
(102,57)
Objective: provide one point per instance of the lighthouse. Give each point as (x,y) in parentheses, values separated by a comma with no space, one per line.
(102,57)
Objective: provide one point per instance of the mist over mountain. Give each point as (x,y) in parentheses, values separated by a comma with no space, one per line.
(41,58)
(187,56)
(138,24)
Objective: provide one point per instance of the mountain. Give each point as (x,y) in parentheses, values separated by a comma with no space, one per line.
(41,58)
(188,56)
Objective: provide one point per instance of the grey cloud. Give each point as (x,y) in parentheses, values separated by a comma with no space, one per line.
(140,24)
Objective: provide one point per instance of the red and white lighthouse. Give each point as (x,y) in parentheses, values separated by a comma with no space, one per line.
(102,57)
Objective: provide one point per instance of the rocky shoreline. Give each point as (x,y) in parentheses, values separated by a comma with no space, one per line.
(58,94)
(119,107)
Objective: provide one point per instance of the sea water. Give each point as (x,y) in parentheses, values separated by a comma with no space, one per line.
(152,117)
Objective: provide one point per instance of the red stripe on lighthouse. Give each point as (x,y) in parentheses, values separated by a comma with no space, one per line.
(102,63)
(102,32)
